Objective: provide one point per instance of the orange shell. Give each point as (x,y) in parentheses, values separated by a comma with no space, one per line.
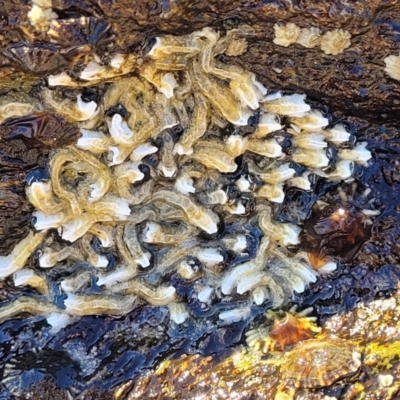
(290,330)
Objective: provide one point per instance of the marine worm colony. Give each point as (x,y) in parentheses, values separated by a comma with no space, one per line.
(174,164)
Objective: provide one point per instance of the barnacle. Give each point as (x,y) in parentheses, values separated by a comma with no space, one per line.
(335,42)
(290,330)
(285,35)
(393,66)
(41,14)
(162,177)
(235,42)
(309,37)
(311,363)
(281,333)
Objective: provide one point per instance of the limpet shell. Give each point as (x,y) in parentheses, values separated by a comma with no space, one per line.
(319,363)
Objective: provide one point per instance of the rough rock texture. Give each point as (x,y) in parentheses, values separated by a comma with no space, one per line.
(354,81)
(24,146)
(373,329)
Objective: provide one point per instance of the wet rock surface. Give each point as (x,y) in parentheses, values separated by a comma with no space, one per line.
(99,353)
(370,329)
(353,81)
(24,146)
(92,357)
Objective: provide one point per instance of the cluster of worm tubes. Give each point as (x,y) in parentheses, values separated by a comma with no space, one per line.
(172,182)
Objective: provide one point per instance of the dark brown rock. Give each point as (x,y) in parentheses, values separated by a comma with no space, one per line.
(15,210)
(353,82)
(24,146)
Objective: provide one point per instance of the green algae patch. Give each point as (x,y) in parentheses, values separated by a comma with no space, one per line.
(381,355)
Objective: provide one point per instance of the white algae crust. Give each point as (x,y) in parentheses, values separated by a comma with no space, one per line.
(164,177)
